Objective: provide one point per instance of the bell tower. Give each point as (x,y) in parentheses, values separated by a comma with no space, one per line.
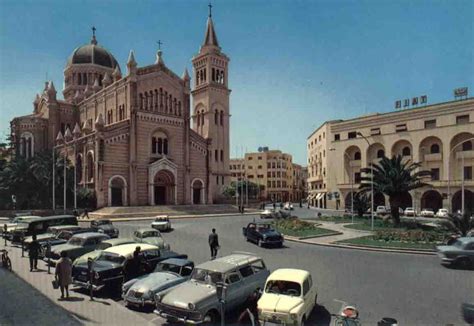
(211,115)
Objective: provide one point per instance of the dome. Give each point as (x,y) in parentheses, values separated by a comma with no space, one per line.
(92,53)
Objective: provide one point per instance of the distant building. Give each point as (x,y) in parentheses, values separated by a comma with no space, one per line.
(138,138)
(274,171)
(439,136)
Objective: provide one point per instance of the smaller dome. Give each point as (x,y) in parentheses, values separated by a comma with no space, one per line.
(92,53)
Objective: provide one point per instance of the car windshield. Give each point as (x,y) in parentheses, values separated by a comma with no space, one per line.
(283,287)
(103,222)
(110,257)
(164,267)
(75,241)
(151,234)
(206,276)
(264,228)
(458,244)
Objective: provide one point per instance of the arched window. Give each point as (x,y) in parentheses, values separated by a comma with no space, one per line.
(222,118)
(216,116)
(406,151)
(202,118)
(213,74)
(156,99)
(79,168)
(357,156)
(222,77)
(175,105)
(90,167)
(380,153)
(161,98)
(467,146)
(166,102)
(159,143)
(27,145)
(198,118)
(434,149)
(179,108)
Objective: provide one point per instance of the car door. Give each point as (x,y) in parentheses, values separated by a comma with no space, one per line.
(469,251)
(235,290)
(251,232)
(308,296)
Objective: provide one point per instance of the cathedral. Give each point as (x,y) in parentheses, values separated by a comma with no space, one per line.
(137,138)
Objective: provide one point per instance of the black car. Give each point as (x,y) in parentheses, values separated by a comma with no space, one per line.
(106,227)
(108,270)
(262,234)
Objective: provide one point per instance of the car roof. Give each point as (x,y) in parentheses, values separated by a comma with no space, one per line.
(128,249)
(230,262)
(146,229)
(465,240)
(289,274)
(88,235)
(119,241)
(65,227)
(176,261)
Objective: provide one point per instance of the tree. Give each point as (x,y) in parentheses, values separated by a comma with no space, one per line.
(394,178)
(229,191)
(361,203)
(459,223)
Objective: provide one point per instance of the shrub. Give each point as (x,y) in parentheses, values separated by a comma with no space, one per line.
(408,236)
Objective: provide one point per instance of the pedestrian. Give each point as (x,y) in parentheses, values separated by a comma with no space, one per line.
(86,213)
(33,253)
(213,243)
(75,213)
(5,230)
(274,205)
(64,273)
(133,267)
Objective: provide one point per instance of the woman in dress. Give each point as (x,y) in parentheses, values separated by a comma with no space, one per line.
(64,273)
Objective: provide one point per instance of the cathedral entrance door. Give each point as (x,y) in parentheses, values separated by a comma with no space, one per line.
(117,197)
(197,189)
(160,195)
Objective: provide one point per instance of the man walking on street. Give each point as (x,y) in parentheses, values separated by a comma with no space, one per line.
(33,253)
(85,214)
(213,243)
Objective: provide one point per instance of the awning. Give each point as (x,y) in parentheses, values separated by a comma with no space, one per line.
(320,195)
(310,196)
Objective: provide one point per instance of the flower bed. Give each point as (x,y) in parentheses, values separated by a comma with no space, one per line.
(409,236)
(298,228)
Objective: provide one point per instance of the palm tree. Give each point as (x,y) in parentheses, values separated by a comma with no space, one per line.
(361,203)
(394,178)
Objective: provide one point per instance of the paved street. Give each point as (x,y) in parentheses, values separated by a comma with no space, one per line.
(416,290)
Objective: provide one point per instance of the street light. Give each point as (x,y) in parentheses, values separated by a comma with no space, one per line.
(462,173)
(371,183)
(332,149)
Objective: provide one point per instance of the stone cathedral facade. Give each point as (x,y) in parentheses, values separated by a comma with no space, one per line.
(147,137)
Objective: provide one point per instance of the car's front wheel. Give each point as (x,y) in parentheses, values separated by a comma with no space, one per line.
(211,318)
(259,243)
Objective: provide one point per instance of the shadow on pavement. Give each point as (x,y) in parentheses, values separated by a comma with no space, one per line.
(319,316)
(71,299)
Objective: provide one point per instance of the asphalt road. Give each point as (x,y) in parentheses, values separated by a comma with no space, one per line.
(415,290)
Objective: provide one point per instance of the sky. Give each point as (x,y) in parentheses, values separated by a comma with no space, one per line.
(294,64)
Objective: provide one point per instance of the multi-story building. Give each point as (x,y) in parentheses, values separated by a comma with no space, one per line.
(273,171)
(299,182)
(137,139)
(439,136)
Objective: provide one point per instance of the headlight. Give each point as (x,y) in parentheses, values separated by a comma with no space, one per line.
(191,306)
(96,275)
(294,316)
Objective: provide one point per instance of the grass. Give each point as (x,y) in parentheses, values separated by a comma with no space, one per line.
(300,229)
(338,219)
(369,241)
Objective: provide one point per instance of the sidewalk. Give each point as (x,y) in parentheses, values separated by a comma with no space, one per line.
(99,311)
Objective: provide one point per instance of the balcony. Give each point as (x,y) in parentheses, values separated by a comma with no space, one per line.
(433,157)
(465,154)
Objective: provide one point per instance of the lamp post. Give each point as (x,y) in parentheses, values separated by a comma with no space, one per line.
(371,184)
(462,179)
(332,149)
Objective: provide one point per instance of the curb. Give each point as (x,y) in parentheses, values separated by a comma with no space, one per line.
(365,248)
(172,217)
(293,238)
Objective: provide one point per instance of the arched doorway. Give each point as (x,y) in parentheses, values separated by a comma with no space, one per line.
(432,199)
(117,191)
(164,188)
(197,192)
(468,201)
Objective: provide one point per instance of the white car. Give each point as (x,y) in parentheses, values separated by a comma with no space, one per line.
(381,210)
(410,211)
(288,299)
(427,212)
(442,212)
(288,206)
(161,223)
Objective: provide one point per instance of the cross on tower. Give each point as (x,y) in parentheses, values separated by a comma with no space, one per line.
(159,44)
(210,9)
(93,30)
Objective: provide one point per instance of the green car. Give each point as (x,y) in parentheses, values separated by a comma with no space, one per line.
(150,236)
(102,246)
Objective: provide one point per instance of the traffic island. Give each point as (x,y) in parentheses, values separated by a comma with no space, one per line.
(298,229)
(374,241)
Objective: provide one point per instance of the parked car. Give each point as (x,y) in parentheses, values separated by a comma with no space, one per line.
(427,213)
(459,253)
(77,246)
(288,206)
(40,225)
(195,301)
(150,236)
(409,211)
(168,273)
(288,299)
(101,247)
(262,234)
(161,223)
(51,234)
(106,227)
(18,221)
(442,213)
(381,210)
(267,213)
(109,267)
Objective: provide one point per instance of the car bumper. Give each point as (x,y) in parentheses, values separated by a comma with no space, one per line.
(272,242)
(161,227)
(87,285)
(445,260)
(174,318)
(137,302)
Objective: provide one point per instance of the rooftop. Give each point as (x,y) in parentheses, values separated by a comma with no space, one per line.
(128,249)
(228,263)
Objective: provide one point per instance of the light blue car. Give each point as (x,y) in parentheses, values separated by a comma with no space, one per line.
(141,291)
